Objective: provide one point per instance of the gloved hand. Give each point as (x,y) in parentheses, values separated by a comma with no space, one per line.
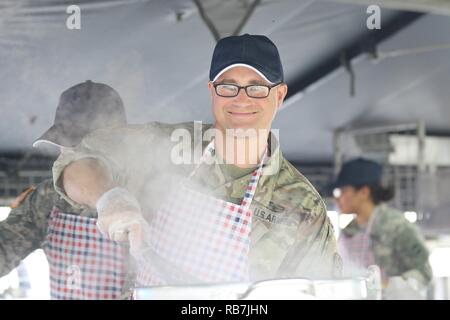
(401,289)
(120,219)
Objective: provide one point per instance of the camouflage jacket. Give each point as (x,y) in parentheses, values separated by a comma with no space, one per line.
(291,233)
(397,245)
(26,227)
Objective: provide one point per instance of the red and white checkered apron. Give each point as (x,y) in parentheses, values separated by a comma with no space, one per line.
(83,263)
(202,238)
(356,250)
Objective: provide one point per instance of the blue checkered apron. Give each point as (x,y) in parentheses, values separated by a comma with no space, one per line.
(204,239)
(83,263)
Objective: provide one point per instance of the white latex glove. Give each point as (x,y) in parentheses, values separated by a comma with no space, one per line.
(401,289)
(120,219)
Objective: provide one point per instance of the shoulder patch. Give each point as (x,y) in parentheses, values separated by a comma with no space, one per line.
(21,197)
(276,207)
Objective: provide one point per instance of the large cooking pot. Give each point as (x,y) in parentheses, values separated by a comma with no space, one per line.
(360,288)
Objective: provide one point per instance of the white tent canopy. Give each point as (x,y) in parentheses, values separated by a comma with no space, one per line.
(156,54)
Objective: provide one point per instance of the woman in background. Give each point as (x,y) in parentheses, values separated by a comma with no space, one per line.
(379,234)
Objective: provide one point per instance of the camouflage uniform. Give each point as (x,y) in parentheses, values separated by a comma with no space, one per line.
(25,229)
(291,233)
(397,245)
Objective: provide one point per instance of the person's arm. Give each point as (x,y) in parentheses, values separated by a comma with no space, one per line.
(412,254)
(319,251)
(82,174)
(89,183)
(410,258)
(26,227)
(95,175)
(86,180)
(314,253)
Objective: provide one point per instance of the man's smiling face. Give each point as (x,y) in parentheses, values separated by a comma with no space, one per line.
(243,112)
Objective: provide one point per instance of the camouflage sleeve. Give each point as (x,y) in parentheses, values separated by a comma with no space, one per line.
(26,226)
(412,253)
(321,260)
(314,254)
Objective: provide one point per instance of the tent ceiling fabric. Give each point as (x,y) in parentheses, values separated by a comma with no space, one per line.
(156,53)
(366,43)
(429,6)
(390,91)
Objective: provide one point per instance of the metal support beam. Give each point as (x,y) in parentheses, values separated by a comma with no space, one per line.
(441,7)
(365,44)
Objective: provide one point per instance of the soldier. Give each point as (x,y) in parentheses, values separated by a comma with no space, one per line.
(40,218)
(195,217)
(379,234)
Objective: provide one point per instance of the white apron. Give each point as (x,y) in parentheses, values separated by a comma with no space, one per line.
(356,251)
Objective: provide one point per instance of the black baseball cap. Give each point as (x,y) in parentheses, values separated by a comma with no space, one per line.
(82,109)
(253,51)
(357,172)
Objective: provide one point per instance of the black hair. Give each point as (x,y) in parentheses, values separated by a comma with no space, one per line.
(379,193)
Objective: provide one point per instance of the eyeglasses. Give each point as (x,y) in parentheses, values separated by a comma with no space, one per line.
(257,91)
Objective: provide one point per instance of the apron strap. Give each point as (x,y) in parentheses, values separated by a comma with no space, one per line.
(251,188)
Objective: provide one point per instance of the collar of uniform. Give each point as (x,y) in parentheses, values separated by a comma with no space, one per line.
(266,184)
(270,172)
(353,228)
